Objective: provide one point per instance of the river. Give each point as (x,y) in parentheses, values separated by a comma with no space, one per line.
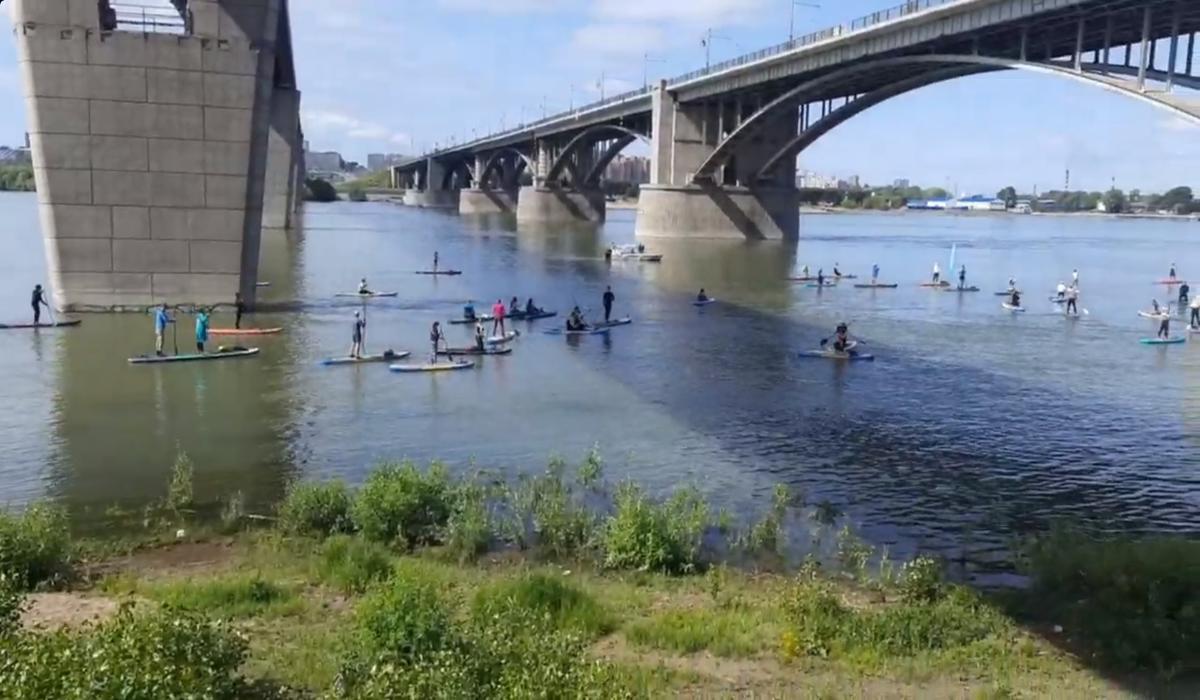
(973,424)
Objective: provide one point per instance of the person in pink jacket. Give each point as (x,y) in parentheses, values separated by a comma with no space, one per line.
(498,318)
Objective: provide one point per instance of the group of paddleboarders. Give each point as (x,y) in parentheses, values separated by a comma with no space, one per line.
(163,319)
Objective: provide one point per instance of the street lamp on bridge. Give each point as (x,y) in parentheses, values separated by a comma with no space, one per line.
(792,23)
(707,40)
(646,61)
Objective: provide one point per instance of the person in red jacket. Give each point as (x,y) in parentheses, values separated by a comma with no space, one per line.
(498,319)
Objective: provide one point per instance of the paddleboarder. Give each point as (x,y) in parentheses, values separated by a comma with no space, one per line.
(804,272)
(575,320)
(609,298)
(1164,326)
(201,329)
(531,309)
(359,334)
(1074,278)
(498,319)
(239,308)
(469,311)
(937,274)
(1184,290)
(1171,274)
(514,307)
(1073,300)
(962,277)
(875,274)
(480,336)
(702,297)
(435,262)
(435,338)
(161,319)
(1061,291)
(1015,299)
(1195,320)
(820,277)
(38,300)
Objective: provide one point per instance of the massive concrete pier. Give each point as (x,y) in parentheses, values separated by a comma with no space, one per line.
(159,155)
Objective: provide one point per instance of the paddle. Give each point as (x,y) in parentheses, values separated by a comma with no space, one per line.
(175,332)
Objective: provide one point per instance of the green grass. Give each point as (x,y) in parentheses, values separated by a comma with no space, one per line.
(233,596)
(351,564)
(735,631)
(566,606)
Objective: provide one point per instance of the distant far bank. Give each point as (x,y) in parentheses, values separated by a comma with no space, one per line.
(975,214)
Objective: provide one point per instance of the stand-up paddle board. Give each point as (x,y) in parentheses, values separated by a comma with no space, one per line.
(59,324)
(244,331)
(876,286)
(1009,307)
(447,273)
(451,352)
(1162,341)
(435,367)
(706,302)
(388,356)
(367,295)
(220,354)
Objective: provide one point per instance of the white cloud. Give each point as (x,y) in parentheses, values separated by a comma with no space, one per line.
(504,7)
(616,40)
(697,12)
(333,122)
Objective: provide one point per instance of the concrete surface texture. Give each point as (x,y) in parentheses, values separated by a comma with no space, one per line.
(151,150)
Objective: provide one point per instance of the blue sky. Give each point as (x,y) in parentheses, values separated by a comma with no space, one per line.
(394,75)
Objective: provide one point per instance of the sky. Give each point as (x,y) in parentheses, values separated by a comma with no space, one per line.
(400,75)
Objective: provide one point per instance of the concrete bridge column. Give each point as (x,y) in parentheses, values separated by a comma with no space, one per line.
(484,199)
(431,195)
(280,202)
(672,205)
(547,202)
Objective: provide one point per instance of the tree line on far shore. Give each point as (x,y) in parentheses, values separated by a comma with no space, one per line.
(17,178)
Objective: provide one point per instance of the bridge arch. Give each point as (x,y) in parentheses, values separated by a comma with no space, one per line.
(565,162)
(495,164)
(939,68)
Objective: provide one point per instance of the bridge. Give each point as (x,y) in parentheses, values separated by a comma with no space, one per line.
(166,136)
(724,140)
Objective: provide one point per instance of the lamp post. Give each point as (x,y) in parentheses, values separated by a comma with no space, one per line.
(792,9)
(707,41)
(646,61)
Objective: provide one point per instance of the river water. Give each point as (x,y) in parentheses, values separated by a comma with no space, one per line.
(973,424)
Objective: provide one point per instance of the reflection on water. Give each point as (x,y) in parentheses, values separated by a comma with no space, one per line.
(971,426)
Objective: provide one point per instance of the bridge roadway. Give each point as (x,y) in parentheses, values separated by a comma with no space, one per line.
(724,139)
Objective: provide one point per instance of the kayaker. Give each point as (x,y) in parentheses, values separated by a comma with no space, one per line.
(875,274)
(1184,289)
(1171,275)
(937,274)
(363,288)
(1073,300)
(575,320)
(201,329)
(435,260)
(836,272)
(1061,291)
(38,300)
(239,307)
(498,318)
(358,335)
(435,338)
(702,296)
(530,309)
(609,298)
(469,311)
(480,336)
(1195,320)
(161,319)
(841,337)
(962,277)
(514,307)
(1015,299)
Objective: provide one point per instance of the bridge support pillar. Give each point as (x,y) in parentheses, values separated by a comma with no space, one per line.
(557,205)
(432,199)
(472,202)
(718,212)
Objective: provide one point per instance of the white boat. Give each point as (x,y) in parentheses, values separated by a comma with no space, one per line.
(632,252)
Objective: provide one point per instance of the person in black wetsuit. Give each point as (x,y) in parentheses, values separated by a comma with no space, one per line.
(1015,300)
(531,309)
(962,277)
(1184,289)
(609,298)
(239,308)
(38,300)
(841,337)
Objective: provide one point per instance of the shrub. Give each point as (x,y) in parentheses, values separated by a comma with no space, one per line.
(180,490)
(164,654)
(10,606)
(562,605)
(400,504)
(544,511)
(229,597)
(921,580)
(34,545)
(648,537)
(469,529)
(319,190)
(353,564)
(356,194)
(406,620)
(316,509)
(766,536)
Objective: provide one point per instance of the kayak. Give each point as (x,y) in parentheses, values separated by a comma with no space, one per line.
(1161,341)
(1009,307)
(437,367)
(220,354)
(534,317)
(590,331)
(58,324)
(1170,281)
(262,284)
(1153,316)
(876,286)
(610,324)
(835,355)
(365,359)
(244,331)
(448,273)
(961,290)
(818,286)
(368,295)
(464,321)
(501,339)
(845,277)
(706,302)
(451,352)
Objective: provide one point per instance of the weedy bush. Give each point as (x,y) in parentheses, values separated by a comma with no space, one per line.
(161,654)
(406,620)
(400,504)
(237,596)
(766,536)
(180,490)
(1133,603)
(544,512)
(469,529)
(729,632)
(353,564)
(646,536)
(35,545)
(11,602)
(853,554)
(562,605)
(921,580)
(318,509)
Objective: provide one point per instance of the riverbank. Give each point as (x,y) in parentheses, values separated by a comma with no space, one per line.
(560,586)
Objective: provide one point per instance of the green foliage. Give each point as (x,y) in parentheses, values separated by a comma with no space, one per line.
(238,596)
(731,632)
(469,529)
(233,511)
(164,654)
(921,580)
(353,564)
(399,503)
(853,554)
(319,190)
(766,536)
(1009,196)
(180,492)
(563,606)
(1115,201)
(592,468)
(646,536)
(11,601)
(356,193)
(380,179)
(17,178)
(543,511)
(316,509)
(1134,603)
(406,619)
(34,545)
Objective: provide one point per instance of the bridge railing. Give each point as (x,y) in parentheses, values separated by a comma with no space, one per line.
(141,17)
(855,25)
